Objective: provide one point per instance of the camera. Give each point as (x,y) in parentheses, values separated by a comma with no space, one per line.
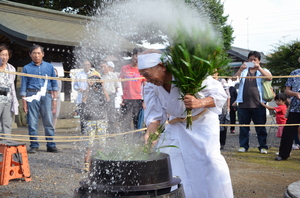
(249,64)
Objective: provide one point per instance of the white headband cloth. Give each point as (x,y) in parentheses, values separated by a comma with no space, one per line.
(148,60)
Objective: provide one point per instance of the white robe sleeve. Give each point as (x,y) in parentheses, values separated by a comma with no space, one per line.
(154,109)
(215,90)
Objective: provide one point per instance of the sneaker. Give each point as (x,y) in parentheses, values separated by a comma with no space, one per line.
(263,151)
(295,147)
(86,167)
(242,150)
(52,149)
(33,150)
(279,158)
(232,131)
(277,153)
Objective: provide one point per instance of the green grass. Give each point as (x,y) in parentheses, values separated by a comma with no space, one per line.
(253,156)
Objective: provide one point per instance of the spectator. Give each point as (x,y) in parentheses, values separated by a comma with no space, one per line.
(94,113)
(56,114)
(81,86)
(233,108)
(292,88)
(31,87)
(249,102)
(132,93)
(224,116)
(112,88)
(111,67)
(8,100)
(280,111)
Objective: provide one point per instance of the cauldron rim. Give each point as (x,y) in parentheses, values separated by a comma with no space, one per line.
(160,156)
(86,183)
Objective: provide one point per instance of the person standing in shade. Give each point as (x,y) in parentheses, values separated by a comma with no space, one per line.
(56,114)
(46,105)
(132,93)
(111,88)
(81,86)
(249,102)
(233,108)
(8,100)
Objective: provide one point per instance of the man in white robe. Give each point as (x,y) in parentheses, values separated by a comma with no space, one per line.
(197,160)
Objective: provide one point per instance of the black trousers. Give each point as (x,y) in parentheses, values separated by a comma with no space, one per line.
(288,135)
(232,115)
(130,113)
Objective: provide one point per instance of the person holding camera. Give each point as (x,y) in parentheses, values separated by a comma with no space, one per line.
(8,100)
(249,102)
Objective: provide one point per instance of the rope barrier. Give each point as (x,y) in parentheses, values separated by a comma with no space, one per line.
(68,138)
(86,138)
(119,79)
(81,138)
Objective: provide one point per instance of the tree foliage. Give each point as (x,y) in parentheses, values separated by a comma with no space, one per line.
(214,8)
(83,7)
(283,61)
(215,11)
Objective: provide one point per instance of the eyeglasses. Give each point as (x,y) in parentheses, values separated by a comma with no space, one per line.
(148,72)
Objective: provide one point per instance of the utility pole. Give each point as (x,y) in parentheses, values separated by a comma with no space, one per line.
(284,38)
(247,32)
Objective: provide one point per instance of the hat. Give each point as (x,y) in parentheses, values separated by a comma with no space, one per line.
(111,64)
(148,60)
(94,73)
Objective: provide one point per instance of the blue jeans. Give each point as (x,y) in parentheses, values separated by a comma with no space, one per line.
(43,108)
(258,116)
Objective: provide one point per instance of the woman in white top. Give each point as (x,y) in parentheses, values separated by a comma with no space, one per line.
(8,100)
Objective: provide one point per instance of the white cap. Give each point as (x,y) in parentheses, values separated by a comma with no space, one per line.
(111,64)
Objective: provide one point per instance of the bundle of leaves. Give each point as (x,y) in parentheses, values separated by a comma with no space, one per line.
(191,59)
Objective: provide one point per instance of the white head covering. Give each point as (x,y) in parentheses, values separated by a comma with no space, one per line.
(148,60)
(111,64)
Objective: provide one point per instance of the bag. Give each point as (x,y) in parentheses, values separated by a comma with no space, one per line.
(268,93)
(140,119)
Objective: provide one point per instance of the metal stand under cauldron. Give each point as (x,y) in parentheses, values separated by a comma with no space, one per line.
(131,179)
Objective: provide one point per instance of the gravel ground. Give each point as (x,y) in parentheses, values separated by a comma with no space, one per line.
(58,174)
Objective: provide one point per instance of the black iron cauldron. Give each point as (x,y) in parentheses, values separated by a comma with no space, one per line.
(151,174)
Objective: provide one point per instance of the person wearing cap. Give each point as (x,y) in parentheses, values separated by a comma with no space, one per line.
(46,105)
(111,67)
(112,88)
(197,160)
(94,102)
(132,94)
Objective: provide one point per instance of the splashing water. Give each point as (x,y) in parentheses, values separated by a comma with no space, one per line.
(123,25)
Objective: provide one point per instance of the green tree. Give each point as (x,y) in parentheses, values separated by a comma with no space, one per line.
(83,7)
(283,60)
(214,8)
(215,11)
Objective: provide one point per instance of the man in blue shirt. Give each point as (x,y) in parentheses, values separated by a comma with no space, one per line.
(46,105)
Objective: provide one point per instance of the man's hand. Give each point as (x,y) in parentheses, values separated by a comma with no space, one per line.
(25,108)
(191,102)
